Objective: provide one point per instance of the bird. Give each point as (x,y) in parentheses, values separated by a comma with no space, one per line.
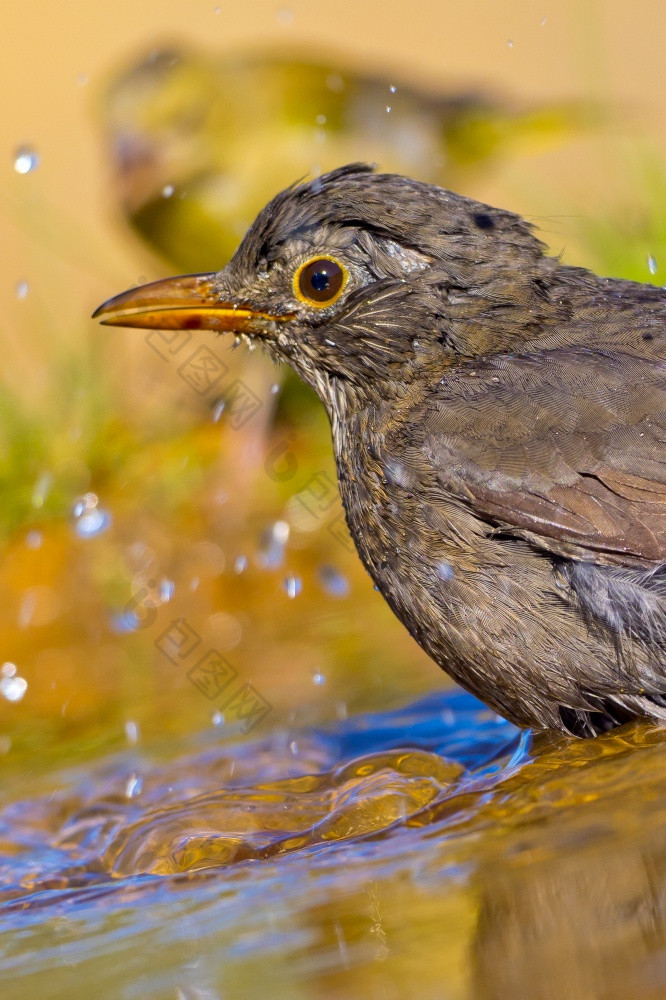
(498,421)
(188,134)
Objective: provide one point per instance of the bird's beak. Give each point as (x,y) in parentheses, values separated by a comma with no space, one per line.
(186,302)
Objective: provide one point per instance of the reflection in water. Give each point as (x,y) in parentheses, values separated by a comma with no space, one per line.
(575,902)
(428,852)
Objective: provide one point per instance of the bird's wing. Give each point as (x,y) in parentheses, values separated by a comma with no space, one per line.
(565,447)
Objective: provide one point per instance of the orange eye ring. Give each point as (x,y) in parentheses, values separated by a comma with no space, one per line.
(320,281)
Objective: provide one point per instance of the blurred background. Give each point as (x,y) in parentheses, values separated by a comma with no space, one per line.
(147,482)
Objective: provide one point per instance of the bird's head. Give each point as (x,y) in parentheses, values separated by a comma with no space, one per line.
(355,278)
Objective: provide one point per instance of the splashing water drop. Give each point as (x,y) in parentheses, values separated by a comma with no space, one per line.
(318,678)
(131,732)
(333,581)
(240,564)
(133,787)
(89,518)
(444,570)
(168,190)
(393,88)
(293,586)
(41,489)
(12,687)
(25,160)
(218,719)
(388,109)
(510,43)
(652,264)
(273,542)
(22,289)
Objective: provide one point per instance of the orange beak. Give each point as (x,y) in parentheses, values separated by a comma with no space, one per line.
(186,302)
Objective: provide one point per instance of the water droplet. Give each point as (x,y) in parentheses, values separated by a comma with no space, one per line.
(652,264)
(388,109)
(34,539)
(25,160)
(393,88)
(318,678)
(543,21)
(320,119)
(41,489)
(293,586)
(131,732)
(133,787)
(26,608)
(275,388)
(333,581)
(12,687)
(280,532)
(126,621)
(22,289)
(240,564)
(444,570)
(217,719)
(293,748)
(89,518)
(168,190)
(510,43)
(166,590)
(273,542)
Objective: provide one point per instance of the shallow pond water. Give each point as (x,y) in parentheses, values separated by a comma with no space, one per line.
(427,851)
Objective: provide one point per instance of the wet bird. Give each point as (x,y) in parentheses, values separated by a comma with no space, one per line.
(499,427)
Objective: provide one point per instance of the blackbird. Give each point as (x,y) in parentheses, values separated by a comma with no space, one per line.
(499,427)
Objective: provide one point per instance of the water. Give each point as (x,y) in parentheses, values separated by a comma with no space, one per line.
(292,586)
(90,518)
(26,160)
(12,686)
(430,847)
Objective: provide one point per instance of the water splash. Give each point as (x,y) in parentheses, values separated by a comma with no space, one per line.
(333,581)
(12,687)
(89,518)
(26,160)
(292,585)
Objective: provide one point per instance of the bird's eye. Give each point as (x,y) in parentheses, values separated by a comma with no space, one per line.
(320,281)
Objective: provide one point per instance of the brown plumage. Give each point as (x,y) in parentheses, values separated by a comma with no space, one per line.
(499,426)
